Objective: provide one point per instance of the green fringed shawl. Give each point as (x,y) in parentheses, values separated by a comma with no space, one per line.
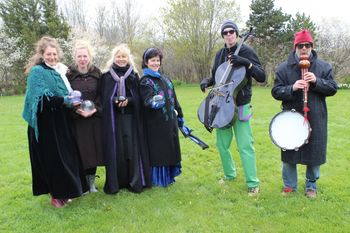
(41,83)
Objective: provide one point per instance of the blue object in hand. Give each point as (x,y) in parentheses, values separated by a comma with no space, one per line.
(157,102)
(68,101)
(76,96)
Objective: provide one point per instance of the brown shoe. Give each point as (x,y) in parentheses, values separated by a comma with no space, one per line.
(310,193)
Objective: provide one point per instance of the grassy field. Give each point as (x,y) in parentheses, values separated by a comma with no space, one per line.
(197,202)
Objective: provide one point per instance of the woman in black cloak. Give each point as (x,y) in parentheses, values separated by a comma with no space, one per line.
(126,159)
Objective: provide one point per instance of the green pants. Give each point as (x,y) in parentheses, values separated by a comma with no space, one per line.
(244,140)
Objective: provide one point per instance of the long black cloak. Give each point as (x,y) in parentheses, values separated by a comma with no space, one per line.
(123,170)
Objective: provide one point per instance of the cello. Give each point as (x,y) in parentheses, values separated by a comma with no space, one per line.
(217,110)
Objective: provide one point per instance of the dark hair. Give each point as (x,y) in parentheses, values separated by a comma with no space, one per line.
(150,53)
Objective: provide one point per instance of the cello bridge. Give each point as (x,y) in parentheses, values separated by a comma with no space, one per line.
(219,93)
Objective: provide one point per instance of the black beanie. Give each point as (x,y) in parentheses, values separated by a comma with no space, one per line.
(229,24)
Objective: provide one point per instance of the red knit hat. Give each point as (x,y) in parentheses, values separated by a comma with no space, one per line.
(303,36)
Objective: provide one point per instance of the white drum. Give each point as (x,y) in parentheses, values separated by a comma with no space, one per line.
(289,130)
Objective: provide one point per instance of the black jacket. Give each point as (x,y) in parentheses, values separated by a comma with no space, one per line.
(161,125)
(256,72)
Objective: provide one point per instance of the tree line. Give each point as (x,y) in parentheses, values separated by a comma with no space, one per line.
(187,31)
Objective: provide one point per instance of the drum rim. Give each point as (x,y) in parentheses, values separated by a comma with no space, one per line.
(293,111)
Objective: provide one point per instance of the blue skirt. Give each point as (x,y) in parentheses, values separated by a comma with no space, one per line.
(165,175)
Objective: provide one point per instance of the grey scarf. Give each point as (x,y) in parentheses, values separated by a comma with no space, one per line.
(120,80)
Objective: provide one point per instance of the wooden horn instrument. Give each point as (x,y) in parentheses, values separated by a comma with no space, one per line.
(304,65)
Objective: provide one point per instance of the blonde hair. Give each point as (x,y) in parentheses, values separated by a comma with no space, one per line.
(40,47)
(123,49)
(83,44)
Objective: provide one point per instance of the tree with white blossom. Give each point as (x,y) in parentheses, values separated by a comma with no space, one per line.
(11,56)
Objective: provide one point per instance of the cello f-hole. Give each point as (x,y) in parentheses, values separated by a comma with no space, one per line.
(227,99)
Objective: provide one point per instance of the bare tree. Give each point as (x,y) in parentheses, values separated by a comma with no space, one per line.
(333,45)
(76,13)
(128,19)
(101,20)
(193,29)
(118,22)
(112,24)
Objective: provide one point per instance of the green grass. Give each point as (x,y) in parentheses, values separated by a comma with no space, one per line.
(197,202)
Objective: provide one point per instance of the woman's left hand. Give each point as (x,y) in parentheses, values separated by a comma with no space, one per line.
(85,114)
(123,103)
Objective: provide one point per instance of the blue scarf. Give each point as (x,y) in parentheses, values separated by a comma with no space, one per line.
(147,71)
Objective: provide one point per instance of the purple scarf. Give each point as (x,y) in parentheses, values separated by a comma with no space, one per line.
(120,80)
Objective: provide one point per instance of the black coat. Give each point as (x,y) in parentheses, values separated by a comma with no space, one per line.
(87,131)
(55,162)
(161,124)
(124,169)
(313,153)
(245,94)
(56,166)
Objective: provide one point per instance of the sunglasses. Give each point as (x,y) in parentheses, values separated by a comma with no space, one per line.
(300,46)
(225,33)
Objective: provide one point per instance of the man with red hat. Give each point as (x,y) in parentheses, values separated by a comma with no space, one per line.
(291,88)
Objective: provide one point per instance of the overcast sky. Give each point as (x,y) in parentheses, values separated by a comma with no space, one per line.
(318,10)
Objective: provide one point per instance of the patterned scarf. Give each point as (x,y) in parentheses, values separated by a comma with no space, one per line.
(42,82)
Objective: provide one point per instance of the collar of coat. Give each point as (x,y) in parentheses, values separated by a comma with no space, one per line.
(292,61)
(74,73)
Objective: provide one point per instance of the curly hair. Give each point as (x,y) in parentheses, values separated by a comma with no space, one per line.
(41,46)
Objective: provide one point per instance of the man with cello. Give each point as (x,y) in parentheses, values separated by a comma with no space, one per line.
(241,126)
(305,92)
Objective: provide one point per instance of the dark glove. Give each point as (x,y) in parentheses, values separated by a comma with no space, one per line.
(204,84)
(236,60)
(185,130)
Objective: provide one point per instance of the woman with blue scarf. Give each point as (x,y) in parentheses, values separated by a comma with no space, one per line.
(162,116)
(53,154)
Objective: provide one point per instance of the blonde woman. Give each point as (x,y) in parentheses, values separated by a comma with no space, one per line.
(86,78)
(53,155)
(126,158)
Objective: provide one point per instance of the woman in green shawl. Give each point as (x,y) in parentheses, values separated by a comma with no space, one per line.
(53,153)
